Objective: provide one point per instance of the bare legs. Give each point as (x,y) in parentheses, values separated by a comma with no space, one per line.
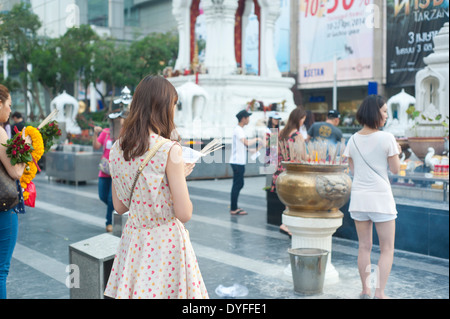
(386,236)
(364,230)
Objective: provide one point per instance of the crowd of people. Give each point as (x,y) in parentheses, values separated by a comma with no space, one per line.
(146,177)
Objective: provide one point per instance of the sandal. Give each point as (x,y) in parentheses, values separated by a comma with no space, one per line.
(239,211)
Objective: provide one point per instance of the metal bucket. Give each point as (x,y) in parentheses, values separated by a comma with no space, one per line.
(119,222)
(308,267)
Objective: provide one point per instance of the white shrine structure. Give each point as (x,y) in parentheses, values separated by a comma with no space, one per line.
(67,107)
(225,89)
(398,121)
(432,89)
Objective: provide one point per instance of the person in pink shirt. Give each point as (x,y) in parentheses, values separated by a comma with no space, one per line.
(102,138)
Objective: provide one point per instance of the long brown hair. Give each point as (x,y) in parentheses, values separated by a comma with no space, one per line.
(4,93)
(293,122)
(152,108)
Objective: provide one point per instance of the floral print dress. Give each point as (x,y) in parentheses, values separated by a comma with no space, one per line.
(155,258)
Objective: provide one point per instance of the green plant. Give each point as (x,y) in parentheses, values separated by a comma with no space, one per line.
(79,139)
(49,133)
(88,120)
(435,122)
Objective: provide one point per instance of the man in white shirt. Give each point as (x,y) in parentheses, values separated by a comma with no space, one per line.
(238,159)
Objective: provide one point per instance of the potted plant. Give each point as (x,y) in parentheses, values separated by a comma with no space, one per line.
(428,129)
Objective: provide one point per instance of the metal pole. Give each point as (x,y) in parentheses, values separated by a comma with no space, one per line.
(5,65)
(334,82)
(93,97)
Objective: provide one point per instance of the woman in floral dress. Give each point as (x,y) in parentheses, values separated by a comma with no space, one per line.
(155,258)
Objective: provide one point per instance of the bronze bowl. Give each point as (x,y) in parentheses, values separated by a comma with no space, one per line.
(316,191)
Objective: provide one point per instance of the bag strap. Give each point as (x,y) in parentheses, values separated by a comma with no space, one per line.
(149,156)
(354,142)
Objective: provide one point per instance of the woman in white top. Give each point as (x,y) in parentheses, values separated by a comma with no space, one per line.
(370,152)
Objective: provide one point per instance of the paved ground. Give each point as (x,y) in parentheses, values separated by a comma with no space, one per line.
(242,249)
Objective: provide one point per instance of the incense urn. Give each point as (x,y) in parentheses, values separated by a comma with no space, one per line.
(314,191)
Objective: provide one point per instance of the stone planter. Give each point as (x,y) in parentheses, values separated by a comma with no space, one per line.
(76,166)
(420,145)
(314,191)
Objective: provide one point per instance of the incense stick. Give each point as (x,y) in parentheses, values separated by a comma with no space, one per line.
(213,150)
(212,146)
(320,152)
(48,118)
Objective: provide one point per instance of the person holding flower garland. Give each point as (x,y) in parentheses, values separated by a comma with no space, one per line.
(8,219)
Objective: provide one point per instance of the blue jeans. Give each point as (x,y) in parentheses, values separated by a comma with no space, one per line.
(105,194)
(238,183)
(8,237)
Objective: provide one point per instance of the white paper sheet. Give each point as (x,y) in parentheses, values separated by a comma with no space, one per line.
(190,155)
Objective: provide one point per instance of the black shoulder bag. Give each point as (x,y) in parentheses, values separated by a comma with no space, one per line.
(9,196)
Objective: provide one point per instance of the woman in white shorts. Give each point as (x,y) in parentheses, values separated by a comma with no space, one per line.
(370,152)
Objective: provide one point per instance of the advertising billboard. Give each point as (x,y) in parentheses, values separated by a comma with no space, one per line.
(336,30)
(411,27)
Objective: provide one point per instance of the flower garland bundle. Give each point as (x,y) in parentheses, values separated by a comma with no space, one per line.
(49,132)
(36,154)
(17,150)
(20,152)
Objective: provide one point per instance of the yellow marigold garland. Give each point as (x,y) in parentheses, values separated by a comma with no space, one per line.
(38,151)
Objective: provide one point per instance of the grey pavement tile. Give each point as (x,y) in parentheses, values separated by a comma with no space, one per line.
(230,249)
(24,282)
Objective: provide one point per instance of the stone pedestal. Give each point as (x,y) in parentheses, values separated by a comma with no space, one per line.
(315,233)
(93,258)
